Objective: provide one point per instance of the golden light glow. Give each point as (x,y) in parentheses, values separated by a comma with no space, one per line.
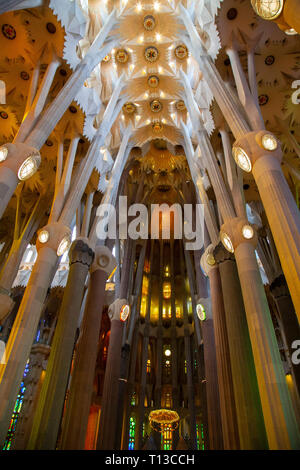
(64,246)
(124,313)
(268,9)
(201,313)
(43,236)
(225,239)
(167,290)
(29,167)
(3,153)
(269,142)
(248,232)
(242,159)
(168,353)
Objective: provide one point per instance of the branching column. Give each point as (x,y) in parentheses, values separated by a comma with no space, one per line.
(76,417)
(251,427)
(51,401)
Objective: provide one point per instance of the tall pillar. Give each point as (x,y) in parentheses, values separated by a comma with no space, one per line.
(51,401)
(33,383)
(188,358)
(227,400)
(252,434)
(281,426)
(75,421)
(26,322)
(109,411)
(215,441)
(279,204)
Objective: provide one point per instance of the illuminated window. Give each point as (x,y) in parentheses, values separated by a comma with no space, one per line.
(148,366)
(133,399)
(185,367)
(168,367)
(145,285)
(16,413)
(200,436)
(178,312)
(167,290)
(167,437)
(143,306)
(167,271)
(132,425)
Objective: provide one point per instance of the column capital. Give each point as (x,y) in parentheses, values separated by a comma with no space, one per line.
(104,260)
(237,231)
(13,156)
(116,310)
(55,236)
(207,261)
(254,145)
(81,252)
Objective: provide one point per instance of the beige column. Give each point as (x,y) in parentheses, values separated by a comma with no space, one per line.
(26,322)
(250,420)
(75,421)
(280,206)
(281,426)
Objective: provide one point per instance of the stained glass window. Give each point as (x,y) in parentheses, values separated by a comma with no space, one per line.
(16,413)
(167,437)
(132,425)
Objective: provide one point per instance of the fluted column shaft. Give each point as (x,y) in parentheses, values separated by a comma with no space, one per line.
(250,421)
(33,383)
(281,426)
(51,401)
(22,334)
(76,417)
(211,375)
(227,400)
(106,438)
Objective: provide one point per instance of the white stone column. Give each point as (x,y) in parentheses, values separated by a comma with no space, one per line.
(279,204)
(26,322)
(280,422)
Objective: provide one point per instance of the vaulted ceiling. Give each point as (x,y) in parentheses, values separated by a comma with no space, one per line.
(150,52)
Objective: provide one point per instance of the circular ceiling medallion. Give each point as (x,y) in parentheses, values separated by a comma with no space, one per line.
(49,143)
(9,31)
(129,108)
(232,14)
(263,99)
(3,115)
(181,52)
(51,28)
(153,81)
(107,58)
(180,105)
(157,127)
(156,106)
(24,75)
(149,23)
(122,56)
(269,60)
(269,10)
(151,54)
